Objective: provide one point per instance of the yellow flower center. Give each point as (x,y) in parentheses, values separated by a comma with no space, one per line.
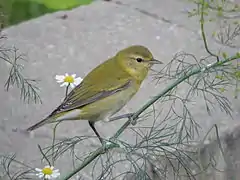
(47,171)
(69,79)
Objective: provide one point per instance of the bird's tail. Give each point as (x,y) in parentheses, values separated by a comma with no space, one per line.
(41,123)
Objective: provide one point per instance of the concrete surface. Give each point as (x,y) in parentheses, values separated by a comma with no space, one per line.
(88,36)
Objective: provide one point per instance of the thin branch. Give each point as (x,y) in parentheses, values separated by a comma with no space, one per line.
(28,88)
(203,31)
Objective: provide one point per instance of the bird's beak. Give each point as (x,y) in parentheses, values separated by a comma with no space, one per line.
(154,61)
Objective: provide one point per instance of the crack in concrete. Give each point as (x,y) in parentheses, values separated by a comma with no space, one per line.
(157,17)
(165,20)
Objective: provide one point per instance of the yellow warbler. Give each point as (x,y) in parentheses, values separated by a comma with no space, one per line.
(106,89)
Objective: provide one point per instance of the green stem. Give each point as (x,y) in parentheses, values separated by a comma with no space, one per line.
(90,158)
(105,147)
(237,84)
(55,128)
(203,32)
(53,142)
(66,93)
(44,156)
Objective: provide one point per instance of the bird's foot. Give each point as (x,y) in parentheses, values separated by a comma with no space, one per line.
(128,115)
(106,144)
(114,142)
(132,121)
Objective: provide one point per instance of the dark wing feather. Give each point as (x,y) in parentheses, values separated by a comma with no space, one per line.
(73,101)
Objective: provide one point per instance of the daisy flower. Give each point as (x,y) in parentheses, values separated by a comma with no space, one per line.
(48,172)
(66,80)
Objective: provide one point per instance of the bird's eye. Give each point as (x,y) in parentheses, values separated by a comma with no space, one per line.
(139,59)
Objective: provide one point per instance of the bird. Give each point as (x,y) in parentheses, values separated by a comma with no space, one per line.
(106,89)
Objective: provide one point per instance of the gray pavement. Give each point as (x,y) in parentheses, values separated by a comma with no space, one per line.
(88,36)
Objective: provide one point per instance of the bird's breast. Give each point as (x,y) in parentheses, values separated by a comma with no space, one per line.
(106,107)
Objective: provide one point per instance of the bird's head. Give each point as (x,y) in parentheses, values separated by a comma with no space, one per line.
(136,60)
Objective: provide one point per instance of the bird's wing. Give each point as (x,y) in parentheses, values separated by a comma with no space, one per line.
(88,92)
(77,101)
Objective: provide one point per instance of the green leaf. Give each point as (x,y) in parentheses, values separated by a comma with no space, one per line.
(236,22)
(212,19)
(222,89)
(22,10)
(220,11)
(206,5)
(238,54)
(236,6)
(214,33)
(224,55)
(63,4)
(237,74)
(219,77)
(37,1)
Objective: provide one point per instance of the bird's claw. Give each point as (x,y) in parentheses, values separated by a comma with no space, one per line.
(133,121)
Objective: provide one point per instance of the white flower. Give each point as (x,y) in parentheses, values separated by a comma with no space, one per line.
(48,172)
(68,80)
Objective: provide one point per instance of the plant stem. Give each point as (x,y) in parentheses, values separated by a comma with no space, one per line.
(53,142)
(90,158)
(237,84)
(203,32)
(66,93)
(44,156)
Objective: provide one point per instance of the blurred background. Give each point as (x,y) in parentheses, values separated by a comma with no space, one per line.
(15,11)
